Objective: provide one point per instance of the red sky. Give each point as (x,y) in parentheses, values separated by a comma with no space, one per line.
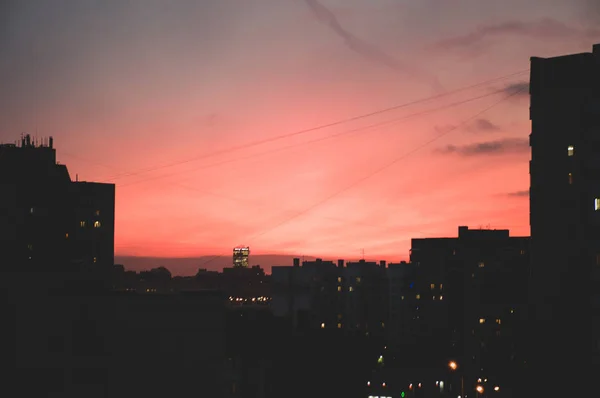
(147,84)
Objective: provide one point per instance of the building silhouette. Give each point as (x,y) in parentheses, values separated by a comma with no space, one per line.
(352,297)
(565,219)
(70,326)
(45,217)
(471,293)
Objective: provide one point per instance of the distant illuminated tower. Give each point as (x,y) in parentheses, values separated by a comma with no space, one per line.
(240,256)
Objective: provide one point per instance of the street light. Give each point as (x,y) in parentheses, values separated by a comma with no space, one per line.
(479,390)
(453,365)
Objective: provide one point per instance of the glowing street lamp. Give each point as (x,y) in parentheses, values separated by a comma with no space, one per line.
(453,365)
(479,389)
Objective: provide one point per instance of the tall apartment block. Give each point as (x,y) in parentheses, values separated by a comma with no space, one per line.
(565,222)
(46,219)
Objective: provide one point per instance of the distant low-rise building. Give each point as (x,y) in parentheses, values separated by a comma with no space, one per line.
(319,294)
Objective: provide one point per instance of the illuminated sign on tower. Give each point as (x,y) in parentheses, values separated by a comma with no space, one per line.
(240,256)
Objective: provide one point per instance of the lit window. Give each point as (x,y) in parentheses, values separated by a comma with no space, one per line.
(432,286)
(339,278)
(401,297)
(95,259)
(382,324)
(67,235)
(323,326)
(339,316)
(97,212)
(30,247)
(350,289)
(441,298)
(481,264)
(339,325)
(97,224)
(512,310)
(570,178)
(597,204)
(499,321)
(433,298)
(570,150)
(82,224)
(358,280)
(339,288)
(31,211)
(482,320)
(454,252)
(522,251)
(441,286)
(418,297)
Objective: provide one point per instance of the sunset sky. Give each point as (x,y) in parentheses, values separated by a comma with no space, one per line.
(168,99)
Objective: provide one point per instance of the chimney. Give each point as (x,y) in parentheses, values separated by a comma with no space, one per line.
(319,260)
(596,49)
(340,263)
(51,142)
(382,263)
(296,262)
(27,140)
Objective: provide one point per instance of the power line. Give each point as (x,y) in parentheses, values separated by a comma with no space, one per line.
(328,137)
(320,127)
(234,199)
(377,171)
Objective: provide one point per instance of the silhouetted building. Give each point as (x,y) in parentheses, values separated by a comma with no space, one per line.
(352,297)
(168,344)
(92,234)
(45,218)
(565,219)
(64,336)
(470,293)
(246,286)
(240,256)
(401,325)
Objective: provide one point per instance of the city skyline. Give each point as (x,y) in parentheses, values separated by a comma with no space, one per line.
(309,199)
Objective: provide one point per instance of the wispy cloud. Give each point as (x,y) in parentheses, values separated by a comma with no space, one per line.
(483,126)
(478,126)
(519,194)
(444,128)
(520,89)
(497,147)
(544,29)
(367,50)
